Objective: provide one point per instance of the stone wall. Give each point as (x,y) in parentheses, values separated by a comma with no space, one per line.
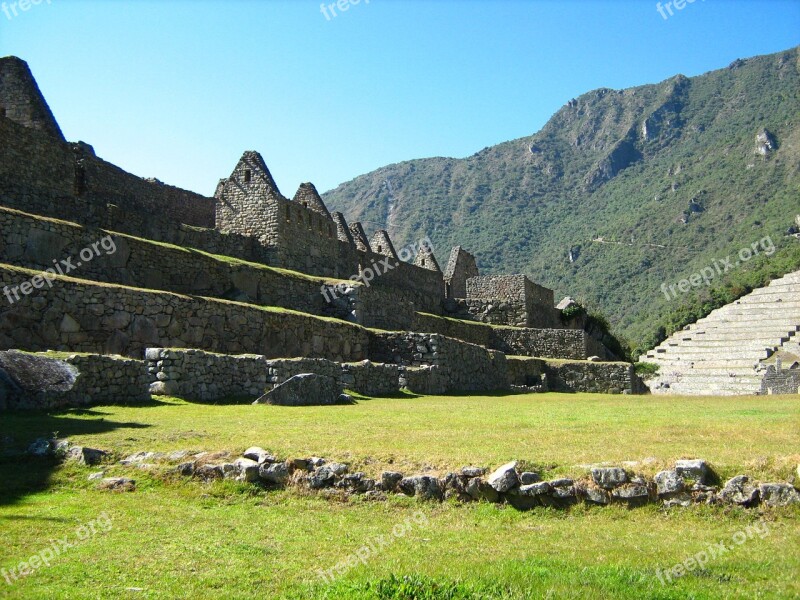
(474,333)
(460,266)
(526,372)
(21,100)
(34,242)
(43,175)
(551,343)
(209,377)
(465,367)
(511,300)
(91,379)
(778,380)
(513,341)
(81,316)
(592,377)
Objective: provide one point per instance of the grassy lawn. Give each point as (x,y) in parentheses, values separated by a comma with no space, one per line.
(177,538)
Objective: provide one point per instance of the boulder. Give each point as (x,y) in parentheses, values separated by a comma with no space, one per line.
(118,484)
(778,494)
(596,495)
(529,477)
(40,448)
(479,472)
(609,477)
(323,477)
(209,472)
(246,469)
(137,458)
(632,493)
(258,454)
(86,456)
(357,483)
(668,482)
(739,490)
(32,381)
(534,489)
(274,473)
(424,487)
(389,480)
(337,469)
(307,389)
(478,489)
(527,496)
(696,470)
(505,477)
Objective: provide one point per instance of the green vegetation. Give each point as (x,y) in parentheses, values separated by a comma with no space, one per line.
(523,206)
(646,369)
(175,537)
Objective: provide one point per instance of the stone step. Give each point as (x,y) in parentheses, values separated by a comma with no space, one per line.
(738,335)
(727,348)
(672,370)
(679,365)
(765,325)
(753,356)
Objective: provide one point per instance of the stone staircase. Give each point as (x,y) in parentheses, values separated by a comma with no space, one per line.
(725,353)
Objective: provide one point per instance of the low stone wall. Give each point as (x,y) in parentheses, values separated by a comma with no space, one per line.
(205,376)
(465,367)
(518,341)
(209,377)
(527,372)
(592,377)
(688,482)
(80,380)
(79,316)
(371,379)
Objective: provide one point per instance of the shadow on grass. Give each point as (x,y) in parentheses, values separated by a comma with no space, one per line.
(230,401)
(22,474)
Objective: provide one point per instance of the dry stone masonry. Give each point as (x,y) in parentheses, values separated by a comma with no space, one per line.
(747,347)
(688,482)
(231,295)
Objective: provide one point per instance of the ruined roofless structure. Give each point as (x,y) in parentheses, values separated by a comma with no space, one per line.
(250,271)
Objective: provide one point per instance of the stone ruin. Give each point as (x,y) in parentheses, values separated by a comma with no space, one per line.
(240,280)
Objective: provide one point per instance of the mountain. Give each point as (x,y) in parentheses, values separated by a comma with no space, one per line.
(620,192)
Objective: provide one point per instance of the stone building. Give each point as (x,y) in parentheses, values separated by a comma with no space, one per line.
(460,267)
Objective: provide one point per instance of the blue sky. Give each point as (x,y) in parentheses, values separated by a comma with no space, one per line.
(178,89)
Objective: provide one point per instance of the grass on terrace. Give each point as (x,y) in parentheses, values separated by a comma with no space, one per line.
(176,538)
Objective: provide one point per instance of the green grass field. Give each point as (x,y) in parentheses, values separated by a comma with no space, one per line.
(179,538)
